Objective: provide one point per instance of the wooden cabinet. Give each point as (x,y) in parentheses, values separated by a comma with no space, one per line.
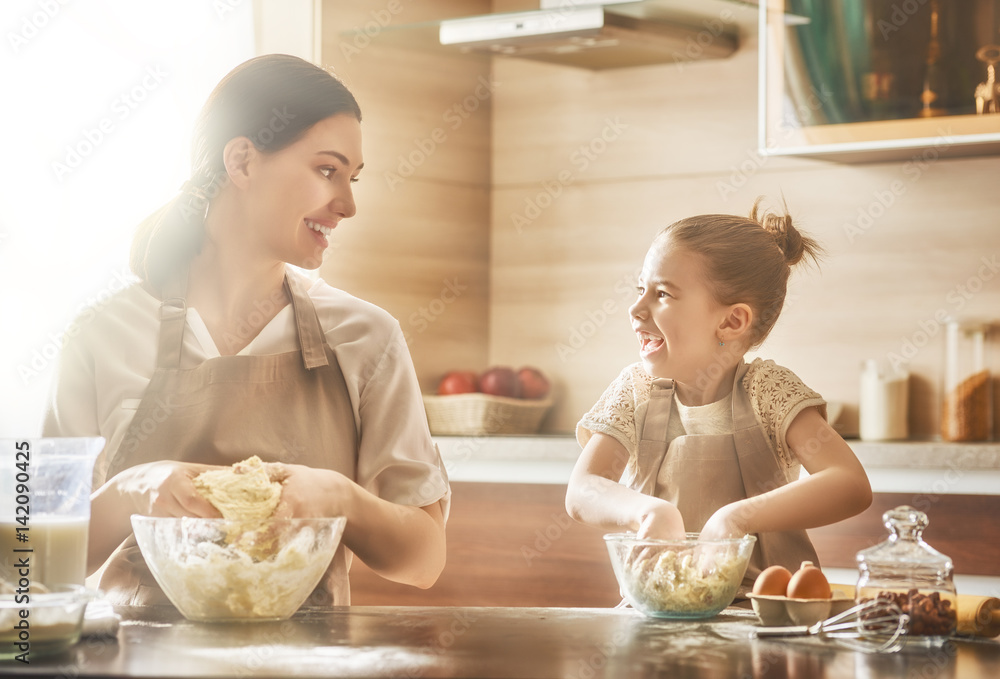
(509,544)
(512,544)
(866,80)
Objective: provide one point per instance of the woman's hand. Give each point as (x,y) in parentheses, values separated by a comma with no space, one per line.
(162,488)
(399,542)
(309,492)
(165,488)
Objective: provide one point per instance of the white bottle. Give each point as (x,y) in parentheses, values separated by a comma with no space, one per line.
(883,406)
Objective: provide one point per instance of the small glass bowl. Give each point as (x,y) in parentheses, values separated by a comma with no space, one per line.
(38,624)
(679,579)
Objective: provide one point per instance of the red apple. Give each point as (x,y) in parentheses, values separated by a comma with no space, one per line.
(499,381)
(534,385)
(458,382)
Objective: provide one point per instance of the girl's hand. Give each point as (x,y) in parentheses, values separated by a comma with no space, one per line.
(661,521)
(309,492)
(726,523)
(165,488)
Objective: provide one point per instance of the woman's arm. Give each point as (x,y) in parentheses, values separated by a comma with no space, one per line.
(836,488)
(401,543)
(595,497)
(153,489)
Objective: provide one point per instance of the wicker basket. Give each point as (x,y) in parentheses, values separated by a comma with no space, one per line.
(471,414)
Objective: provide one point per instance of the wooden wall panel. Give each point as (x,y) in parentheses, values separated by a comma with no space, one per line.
(867,298)
(546,197)
(419,245)
(907,242)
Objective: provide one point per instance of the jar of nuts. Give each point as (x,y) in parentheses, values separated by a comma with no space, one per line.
(916,577)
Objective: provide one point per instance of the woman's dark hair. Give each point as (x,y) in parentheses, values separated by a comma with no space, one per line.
(272,100)
(748,259)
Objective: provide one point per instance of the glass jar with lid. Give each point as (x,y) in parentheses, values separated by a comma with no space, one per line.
(967,411)
(912,574)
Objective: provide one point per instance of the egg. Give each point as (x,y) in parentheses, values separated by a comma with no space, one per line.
(773,580)
(808,583)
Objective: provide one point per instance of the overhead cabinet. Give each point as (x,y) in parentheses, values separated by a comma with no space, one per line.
(870,80)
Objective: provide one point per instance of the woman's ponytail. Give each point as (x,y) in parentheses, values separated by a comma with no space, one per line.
(167,240)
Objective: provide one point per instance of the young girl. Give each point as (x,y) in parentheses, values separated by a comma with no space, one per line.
(223,351)
(693,438)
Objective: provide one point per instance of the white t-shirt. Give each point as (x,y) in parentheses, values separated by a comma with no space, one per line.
(106,366)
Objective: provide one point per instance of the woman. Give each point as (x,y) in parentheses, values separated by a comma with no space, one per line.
(224,351)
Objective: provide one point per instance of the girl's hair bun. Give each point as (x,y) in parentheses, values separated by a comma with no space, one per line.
(792,244)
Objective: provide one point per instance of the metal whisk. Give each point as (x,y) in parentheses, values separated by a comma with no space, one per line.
(875,626)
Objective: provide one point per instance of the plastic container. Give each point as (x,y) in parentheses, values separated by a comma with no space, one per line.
(914,575)
(45,486)
(884,403)
(967,409)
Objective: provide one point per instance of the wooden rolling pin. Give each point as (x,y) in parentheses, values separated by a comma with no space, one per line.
(978,616)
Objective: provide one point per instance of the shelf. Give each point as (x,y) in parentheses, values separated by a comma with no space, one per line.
(831,87)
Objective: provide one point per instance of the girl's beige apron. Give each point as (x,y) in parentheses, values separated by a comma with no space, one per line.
(292,407)
(706,472)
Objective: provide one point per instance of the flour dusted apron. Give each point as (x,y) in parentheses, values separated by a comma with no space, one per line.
(705,472)
(292,407)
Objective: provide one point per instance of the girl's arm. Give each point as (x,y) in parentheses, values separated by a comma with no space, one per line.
(401,543)
(836,488)
(594,496)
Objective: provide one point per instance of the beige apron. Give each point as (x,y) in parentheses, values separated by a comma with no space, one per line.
(292,407)
(706,472)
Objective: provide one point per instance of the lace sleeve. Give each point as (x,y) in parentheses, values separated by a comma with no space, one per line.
(614,412)
(777,396)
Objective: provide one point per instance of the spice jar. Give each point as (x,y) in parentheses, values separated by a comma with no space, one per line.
(916,577)
(967,411)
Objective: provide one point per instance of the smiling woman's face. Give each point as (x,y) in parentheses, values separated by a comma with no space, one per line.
(297,195)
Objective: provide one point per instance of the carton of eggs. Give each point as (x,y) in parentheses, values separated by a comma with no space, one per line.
(780,597)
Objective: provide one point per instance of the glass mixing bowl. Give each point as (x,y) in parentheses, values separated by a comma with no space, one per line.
(679,579)
(220,569)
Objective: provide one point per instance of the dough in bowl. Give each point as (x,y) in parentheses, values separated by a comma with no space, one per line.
(248,491)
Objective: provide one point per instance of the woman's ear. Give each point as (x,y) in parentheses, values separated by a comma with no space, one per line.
(736,324)
(236,156)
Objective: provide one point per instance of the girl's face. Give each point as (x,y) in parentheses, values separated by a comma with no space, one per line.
(676,318)
(298,195)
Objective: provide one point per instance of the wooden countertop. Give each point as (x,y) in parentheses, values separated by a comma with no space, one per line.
(583,643)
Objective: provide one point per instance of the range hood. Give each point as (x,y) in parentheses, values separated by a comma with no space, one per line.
(602,35)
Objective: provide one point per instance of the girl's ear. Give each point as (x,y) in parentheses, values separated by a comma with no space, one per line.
(236,156)
(736,324)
